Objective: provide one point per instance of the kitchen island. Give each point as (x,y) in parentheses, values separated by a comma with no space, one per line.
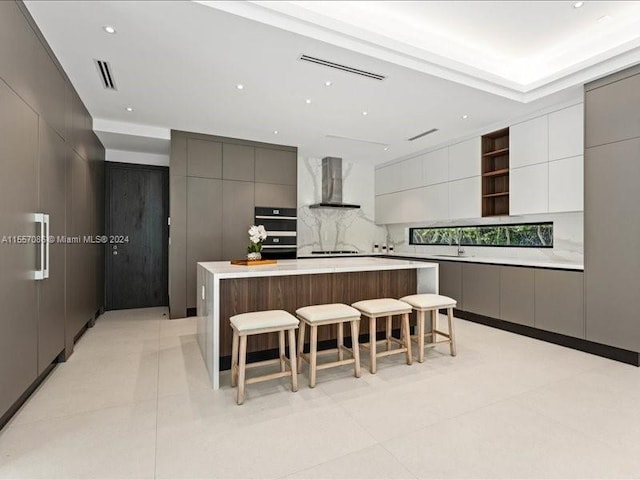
(225,290)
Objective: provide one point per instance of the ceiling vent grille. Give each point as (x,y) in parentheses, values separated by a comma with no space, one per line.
(344,68)
(423,134)
(106,77)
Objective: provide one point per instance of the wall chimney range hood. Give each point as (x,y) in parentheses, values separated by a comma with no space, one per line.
(332,185)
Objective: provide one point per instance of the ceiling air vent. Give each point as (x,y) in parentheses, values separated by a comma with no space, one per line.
(106,77)
(423,134)
(344,68)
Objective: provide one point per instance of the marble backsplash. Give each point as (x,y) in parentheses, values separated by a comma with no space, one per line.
(337,229)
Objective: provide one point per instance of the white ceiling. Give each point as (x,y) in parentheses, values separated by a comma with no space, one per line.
(178,63)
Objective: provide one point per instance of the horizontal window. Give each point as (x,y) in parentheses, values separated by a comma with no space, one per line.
(538,235)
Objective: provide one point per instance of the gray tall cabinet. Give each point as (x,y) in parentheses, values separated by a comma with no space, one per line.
(216,183)
(612,216)
(50,162)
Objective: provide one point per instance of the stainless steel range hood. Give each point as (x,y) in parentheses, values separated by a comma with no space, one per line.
(332,185)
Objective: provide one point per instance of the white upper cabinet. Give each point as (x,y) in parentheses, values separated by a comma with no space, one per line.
(386,179)
(529,189)
(436,202)
(401,207)
(529,142)
(566,190)
(435,166)
(566,133)
(464,159)
(464,198)
(410,173)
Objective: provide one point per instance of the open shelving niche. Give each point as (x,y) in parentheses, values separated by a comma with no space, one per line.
(495,173)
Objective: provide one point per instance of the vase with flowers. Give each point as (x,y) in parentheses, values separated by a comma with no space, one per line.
(257,235)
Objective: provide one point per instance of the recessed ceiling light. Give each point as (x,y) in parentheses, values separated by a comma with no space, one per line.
(604,18)
(328,83)
(275,132)
(578,4)
(129,109)
(464,117)
(365,113)
(386,148)
(307,101)
(239,86)
(109,29)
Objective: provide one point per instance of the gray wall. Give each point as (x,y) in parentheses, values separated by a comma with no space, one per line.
(612,216)
(51,162)
(215,184)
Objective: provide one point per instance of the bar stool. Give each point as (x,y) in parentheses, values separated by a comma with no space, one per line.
(386,307)
(255,323)
(319,315)
(430,302)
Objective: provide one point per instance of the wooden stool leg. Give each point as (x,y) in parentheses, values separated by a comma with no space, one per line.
(372,345)
(421,321)
(452,337)
(234,359)
(389,318)
(355,346)
(434,324)
(243,363)
(282,351)
(293,360)
(314,356)
(301,333)
(407,337)
(340,341)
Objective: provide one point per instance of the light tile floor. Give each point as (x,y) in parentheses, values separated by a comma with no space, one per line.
(134,401)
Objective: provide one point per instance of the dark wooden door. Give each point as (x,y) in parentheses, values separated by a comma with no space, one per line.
(138,234)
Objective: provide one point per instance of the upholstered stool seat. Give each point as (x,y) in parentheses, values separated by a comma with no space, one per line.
(255,323)
(386,307)
(330,314)
(431,302)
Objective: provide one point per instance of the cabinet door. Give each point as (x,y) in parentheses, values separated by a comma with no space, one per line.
(612,243)
(272,195)
(559,302)
(517,295)
(237,217)
(435,166)
(387,179)
(51,308)
(18,196)
(612,112)
(566,185)
(566,133)
(204,228)
(465,159)
(464,198)
(276,166)
(401,207)
(529,189)
(410,173)
(451,281)
(481,289)
(436,202)
(238,162)
(204,158)
(529,142)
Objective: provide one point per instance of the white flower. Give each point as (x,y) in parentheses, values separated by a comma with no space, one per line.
(255,239)
(253,231)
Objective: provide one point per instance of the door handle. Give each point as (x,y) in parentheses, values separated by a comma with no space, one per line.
(47,230)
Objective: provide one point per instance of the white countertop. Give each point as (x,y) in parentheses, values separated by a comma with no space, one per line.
(311,266)
(522,262)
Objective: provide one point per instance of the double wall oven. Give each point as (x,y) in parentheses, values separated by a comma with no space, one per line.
(281,226)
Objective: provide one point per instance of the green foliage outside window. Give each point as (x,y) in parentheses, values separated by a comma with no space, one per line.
(539,235)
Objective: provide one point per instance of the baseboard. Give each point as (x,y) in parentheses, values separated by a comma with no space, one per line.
(613,353)
(192,312)
(4,419)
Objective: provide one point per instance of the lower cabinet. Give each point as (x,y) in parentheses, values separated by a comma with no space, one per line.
(559,302)
(517,293)
(546,299)
(481,289)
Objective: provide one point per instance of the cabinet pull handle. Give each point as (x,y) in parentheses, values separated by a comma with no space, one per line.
(39,218)
(46,242)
